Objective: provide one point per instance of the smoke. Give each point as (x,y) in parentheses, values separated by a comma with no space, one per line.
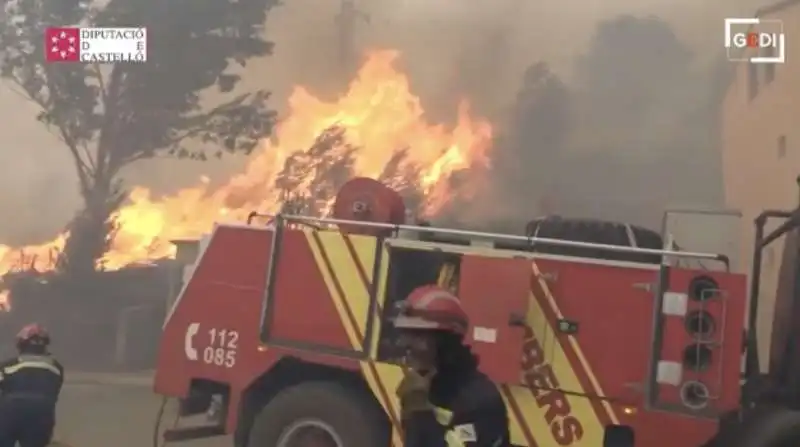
(37,185)
(477,49)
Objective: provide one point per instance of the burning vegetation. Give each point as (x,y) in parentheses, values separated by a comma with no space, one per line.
(377,129)
(542,154)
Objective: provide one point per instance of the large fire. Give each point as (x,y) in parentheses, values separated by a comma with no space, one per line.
(379,115)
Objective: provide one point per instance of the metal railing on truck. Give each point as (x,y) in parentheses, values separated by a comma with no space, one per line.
(279,221)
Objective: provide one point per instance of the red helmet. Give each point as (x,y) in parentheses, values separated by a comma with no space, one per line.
(433,308)
(33,334)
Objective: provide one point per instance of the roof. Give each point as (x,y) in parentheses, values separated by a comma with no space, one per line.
(776,7)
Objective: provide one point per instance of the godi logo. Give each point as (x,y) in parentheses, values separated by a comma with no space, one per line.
(754,40)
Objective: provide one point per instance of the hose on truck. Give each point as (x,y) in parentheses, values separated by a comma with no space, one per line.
(157,442)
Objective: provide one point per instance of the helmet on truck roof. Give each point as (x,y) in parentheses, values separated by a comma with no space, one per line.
(432,308)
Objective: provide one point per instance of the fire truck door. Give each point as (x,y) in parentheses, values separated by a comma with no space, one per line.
(494,292)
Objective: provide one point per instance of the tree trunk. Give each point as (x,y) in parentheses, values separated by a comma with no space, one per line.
(91,231)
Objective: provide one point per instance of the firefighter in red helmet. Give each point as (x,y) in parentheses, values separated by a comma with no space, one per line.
(29,388)
(445,400)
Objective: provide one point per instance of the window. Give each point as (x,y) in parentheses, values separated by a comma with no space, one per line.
(782,146)
(769,69)
(752,81)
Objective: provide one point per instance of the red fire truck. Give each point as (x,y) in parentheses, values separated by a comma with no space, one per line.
(596,333)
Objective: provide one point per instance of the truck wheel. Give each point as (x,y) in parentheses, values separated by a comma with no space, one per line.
(318,414)
(777,428)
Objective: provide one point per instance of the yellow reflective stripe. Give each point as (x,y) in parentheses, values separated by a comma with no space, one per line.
(446,276)
(354,299)
(453,439)
(443,415)
(535,413)
(38,365)
(319,251)
(383,276)
(389,375)
(575,346)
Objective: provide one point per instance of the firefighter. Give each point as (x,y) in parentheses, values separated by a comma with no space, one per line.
(445,400)
(29,387)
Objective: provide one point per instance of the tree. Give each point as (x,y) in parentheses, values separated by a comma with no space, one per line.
(109,116)
(318,172)
(312,177)
(635,71)
(529,149)
(647,118)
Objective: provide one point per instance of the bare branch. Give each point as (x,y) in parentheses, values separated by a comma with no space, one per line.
(88,156)
(195,124)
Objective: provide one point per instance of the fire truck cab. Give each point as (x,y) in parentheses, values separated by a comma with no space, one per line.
(596,333)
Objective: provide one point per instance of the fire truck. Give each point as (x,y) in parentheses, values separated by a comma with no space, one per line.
(596,333)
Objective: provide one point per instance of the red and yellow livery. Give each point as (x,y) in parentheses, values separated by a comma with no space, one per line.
(598,344)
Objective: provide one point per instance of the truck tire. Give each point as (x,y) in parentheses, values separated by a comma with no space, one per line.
(597,232)
(342,417)
(777,428)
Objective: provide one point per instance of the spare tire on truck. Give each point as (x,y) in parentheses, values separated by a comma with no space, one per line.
(324,414)
(595,231)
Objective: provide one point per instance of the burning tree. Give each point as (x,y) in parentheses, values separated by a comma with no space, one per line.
(108,116)
(321,170)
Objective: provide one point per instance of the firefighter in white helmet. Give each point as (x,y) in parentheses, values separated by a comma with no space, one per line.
(446,401)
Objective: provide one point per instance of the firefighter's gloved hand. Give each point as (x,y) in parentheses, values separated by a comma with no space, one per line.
(413,392)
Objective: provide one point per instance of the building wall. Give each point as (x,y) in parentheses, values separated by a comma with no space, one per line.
(761,150)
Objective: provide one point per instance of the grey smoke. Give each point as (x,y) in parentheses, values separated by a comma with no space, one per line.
(479,46)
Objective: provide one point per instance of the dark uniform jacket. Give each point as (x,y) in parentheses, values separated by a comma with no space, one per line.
(469,413)
(31,376)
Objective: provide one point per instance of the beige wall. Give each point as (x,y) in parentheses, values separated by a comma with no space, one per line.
(757,175)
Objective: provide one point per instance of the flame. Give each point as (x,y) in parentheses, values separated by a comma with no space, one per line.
(5,304)
(378,114)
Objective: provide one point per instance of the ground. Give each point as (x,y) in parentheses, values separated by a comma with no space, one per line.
(113,410)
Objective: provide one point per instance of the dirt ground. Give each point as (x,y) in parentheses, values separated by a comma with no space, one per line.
(113,410)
